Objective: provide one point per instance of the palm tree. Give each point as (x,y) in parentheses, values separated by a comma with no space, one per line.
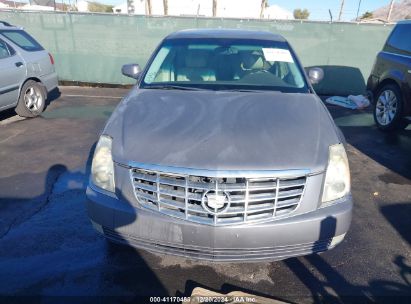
(264,4)
(165,6)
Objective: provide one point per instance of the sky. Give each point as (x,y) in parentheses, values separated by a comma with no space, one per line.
(319,9)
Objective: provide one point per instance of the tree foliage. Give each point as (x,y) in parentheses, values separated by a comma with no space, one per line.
(301,13)
(367,15)
(96,7)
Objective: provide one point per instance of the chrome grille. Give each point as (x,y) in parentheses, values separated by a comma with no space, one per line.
(246,199)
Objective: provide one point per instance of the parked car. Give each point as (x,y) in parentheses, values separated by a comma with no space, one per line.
(390,80)
(222,151)
(27,72)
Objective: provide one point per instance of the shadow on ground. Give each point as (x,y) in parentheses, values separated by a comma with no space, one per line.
(392,150)
(56,252)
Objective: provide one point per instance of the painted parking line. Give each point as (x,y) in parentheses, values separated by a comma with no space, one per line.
(11,119)
(91,96)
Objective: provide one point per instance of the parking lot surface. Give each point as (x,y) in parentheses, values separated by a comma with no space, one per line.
(49,248)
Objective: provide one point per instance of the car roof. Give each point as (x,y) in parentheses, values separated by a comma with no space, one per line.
(226,34)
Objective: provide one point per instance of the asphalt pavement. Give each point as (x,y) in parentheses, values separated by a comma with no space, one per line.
(48,247)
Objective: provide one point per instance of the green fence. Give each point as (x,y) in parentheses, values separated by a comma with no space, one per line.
(92,47)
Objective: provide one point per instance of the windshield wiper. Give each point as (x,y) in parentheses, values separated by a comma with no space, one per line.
(173,87)
(242,90)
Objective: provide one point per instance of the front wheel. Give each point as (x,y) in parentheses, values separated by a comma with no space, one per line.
(388,109)
(32,99)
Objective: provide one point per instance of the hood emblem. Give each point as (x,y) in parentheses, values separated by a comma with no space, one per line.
(215,202)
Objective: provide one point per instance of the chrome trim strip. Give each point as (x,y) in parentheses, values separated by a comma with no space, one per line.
(186,197)
(222,173)
(9,90)
(247,196)
(396,54)
(277,190)
(158,190)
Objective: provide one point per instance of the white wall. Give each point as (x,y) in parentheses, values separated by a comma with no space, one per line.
(157,7)
(140,7)
(239,8)
(190,7)
(82,6)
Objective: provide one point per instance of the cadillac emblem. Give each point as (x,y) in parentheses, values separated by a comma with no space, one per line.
(215,202)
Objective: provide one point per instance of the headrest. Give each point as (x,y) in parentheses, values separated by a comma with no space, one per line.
(252,61)
(196,59)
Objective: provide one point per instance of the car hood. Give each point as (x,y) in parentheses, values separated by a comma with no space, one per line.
(221,130)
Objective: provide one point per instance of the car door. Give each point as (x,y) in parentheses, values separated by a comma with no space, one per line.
(13,72)
(406,60)
(408,67)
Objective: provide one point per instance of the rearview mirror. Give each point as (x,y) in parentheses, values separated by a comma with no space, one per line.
(315,75)
(132,70)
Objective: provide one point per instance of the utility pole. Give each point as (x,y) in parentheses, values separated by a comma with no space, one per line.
(390,10)
(358,10)
(148,7)
(165,6)
(263,6)
(341,10)
(214,8)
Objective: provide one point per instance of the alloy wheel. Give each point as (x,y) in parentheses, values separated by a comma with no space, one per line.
(386,107)
(33,99)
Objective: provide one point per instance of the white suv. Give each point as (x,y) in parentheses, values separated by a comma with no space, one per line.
(27,72)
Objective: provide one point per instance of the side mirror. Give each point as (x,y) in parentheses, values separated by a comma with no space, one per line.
(132,70)
(315,75)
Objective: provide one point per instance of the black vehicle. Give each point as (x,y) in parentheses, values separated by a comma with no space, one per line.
(390,80)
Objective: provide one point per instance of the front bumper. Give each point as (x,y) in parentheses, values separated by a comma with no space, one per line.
(298,235)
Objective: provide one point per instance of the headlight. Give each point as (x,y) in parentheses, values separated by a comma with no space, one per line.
(102,168)
(337,177)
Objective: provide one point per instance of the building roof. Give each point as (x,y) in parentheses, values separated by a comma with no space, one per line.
(35,7)
(13,4)
(226,34)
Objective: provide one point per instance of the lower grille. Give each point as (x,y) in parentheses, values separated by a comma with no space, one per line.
(220,254)
(217,200)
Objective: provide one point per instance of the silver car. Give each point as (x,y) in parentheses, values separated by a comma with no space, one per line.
(27,72)
(222,151)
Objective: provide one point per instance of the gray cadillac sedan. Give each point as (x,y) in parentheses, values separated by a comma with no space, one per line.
(222,151)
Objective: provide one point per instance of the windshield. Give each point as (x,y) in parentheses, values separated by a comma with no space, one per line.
(225,64)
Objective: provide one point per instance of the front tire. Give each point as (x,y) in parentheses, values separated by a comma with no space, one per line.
(32,99)
(388,109)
